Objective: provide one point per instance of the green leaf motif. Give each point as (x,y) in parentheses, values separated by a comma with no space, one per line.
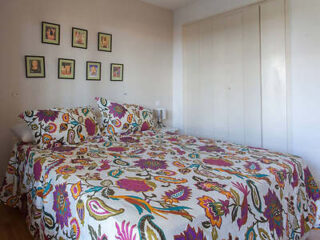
(255,196)
(93,233)
(214,234)
(149,230)
(234,213)
(236,196)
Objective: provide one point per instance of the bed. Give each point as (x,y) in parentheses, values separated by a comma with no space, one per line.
(161,185)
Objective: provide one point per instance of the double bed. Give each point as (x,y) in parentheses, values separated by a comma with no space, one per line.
(161,185)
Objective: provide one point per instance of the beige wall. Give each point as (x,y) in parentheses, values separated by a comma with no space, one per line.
(142,41)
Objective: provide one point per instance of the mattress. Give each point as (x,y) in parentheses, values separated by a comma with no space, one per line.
(160,185)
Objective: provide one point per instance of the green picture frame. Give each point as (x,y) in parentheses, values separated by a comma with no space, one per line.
(104,42)
(50,33)
(66,68)
(35,66)
(93,71)
(79,38)
(116,72)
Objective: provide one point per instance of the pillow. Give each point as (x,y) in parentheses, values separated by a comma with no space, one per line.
(116,119)
(143,117)
(61,126)
(23,133)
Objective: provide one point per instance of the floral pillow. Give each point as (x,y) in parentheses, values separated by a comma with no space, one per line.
(61,126)
(116,119)
(143,117)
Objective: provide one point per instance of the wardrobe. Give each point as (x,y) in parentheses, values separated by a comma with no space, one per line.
(234,77)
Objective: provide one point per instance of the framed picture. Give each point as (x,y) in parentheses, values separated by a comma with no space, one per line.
(35,67)
(79,38)
(50,33)
(93,71)
(66,68)
(104,42)
(116,72)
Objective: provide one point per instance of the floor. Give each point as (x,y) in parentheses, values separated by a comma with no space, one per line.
(314,235)
(12,225)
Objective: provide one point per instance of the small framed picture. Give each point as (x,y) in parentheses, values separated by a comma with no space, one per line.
(50,33)
(35,67)
(104,42)
(116,72)
(79,38)
(66,68)
(94,71)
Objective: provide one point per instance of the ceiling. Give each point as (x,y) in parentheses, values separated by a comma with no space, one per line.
(169,4)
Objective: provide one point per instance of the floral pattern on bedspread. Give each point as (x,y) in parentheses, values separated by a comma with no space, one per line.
(156,185)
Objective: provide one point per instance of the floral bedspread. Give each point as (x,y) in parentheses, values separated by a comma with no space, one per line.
(156,185)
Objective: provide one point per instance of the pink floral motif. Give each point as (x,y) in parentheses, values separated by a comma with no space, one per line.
(117,149)
(47,115)
(181,193)
(311,185)
(125,232)
(136,184)
(151,164)
(252,167)
(211,148)
(61,205)
(190,234)
(90,126)
(129,140)
(273,212)
(37,169)
(117,110)
(218,162)
(244,206)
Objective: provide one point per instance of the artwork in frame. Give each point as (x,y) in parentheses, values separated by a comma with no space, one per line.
(116,72)
(35,66)
(104,42)
(66,68)
(50,33)
(79,38)
(93,71)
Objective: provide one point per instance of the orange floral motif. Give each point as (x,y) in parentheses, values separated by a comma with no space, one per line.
(129,118)
(76,190)
(65,117)
(65,169)
(46,138)
(214,210)
(170,179)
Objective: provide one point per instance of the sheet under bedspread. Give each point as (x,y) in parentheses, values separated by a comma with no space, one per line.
(156,185)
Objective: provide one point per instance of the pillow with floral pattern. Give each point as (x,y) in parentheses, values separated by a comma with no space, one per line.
(116,119)
(61,126)
(143,117)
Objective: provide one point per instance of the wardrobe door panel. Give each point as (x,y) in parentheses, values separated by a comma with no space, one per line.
(222,77)
(252,77)
(274,97)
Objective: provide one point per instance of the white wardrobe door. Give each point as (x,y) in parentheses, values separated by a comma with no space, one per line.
(222,77)
(274,86)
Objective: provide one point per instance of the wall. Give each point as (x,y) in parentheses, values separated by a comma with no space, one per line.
(142,41)
(192,12)
(303,32)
